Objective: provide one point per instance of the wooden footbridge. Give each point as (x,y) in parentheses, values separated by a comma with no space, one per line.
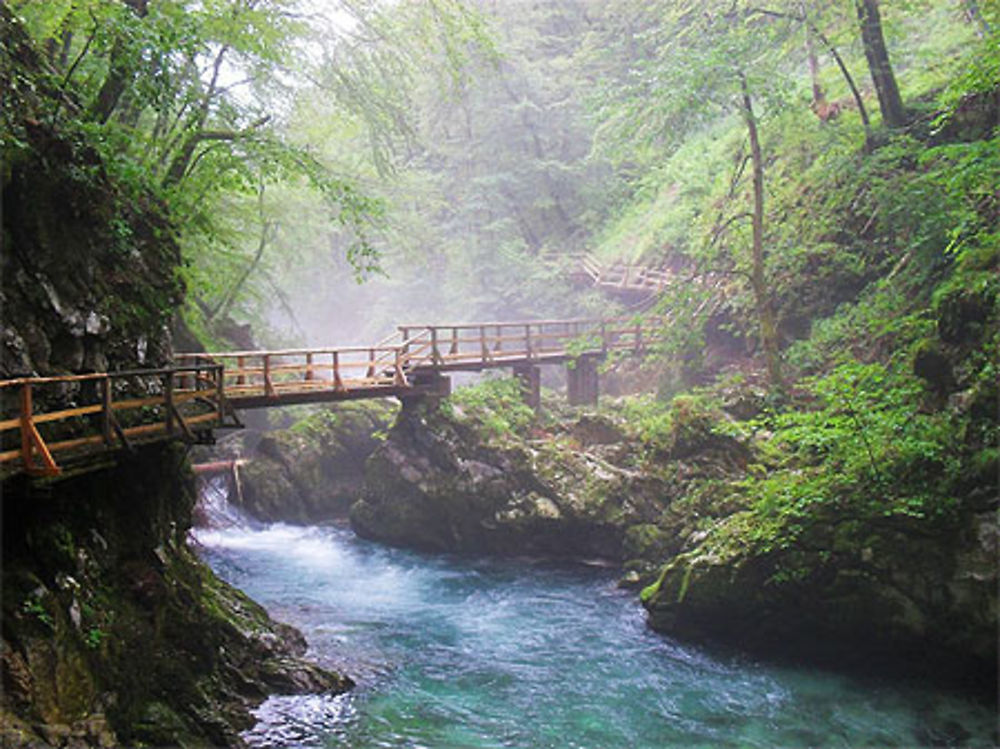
(633,281)
(50,424)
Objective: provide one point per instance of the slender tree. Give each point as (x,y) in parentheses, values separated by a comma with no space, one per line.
(889,101)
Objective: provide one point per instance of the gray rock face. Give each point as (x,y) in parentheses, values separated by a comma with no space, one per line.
(845,589)
(442,483)
(313,471)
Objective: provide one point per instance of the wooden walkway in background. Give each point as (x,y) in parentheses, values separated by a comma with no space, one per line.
(83,418)
(620,278)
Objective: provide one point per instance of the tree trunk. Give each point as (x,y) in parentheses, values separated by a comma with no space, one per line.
(758,280)
(889,100)
(819,97)
(120,73)
(975,16)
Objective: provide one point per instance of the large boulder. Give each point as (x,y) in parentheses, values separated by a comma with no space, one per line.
(313,471)
(842,587)
(444,481)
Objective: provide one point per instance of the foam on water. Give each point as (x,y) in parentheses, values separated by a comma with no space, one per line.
(459,652)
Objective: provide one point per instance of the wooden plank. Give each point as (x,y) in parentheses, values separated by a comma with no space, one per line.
(26,426)
(48,380)
(144,429)
(10,424)
(48,467)
(156,400)
(67,414)
(74,443)
(10,455)
(202,418)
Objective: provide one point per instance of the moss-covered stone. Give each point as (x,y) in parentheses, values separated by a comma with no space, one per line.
(112,627)
(446,479)
(313,471)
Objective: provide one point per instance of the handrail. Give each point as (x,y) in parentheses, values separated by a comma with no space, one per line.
(202,386)
(169,409)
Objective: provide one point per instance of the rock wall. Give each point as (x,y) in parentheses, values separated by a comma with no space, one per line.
(88,263)
(115,634)
(443,482)
(311,472)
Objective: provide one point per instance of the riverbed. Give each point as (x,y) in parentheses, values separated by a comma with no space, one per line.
(472,652)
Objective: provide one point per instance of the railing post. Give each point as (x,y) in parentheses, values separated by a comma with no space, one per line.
(268,385)
(527,339)
(400,378)
(435,354)
(370,372)
(405,332)
(220,389)
(499,344)
(484,351)
(168,401)
(26,408)
(338,383)
(309,367)
(106,409)
(241,378)
(454,341)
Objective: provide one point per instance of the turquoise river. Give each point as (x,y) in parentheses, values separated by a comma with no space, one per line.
(473,652)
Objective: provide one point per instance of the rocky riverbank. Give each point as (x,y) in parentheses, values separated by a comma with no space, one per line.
(311,472)
(670,492)
(115,634)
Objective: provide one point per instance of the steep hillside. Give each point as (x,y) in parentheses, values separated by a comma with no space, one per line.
(113,633)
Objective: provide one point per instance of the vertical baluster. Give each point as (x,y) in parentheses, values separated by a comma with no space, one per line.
(220,391)
(268,385)
(26,408)
(168,401)
(106,409)
(241,379)
(309,367)
(484,352)
(400,379)
(338,383)
(370,372)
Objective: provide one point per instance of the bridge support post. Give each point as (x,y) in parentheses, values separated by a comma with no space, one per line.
(582,381)
(429,385)
(530,377)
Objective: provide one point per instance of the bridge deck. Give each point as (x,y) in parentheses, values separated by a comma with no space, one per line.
(84,417)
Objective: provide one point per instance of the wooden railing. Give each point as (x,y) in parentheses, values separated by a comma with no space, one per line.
(92,413)
(109,410)
(618,275)
(388,367)
(482,345)
(274,373)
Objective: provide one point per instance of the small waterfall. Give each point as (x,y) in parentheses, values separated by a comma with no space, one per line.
(215,512)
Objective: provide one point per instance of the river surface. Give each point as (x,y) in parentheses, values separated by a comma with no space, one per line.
(465,653)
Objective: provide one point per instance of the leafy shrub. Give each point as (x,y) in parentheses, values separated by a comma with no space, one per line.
(497,403)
